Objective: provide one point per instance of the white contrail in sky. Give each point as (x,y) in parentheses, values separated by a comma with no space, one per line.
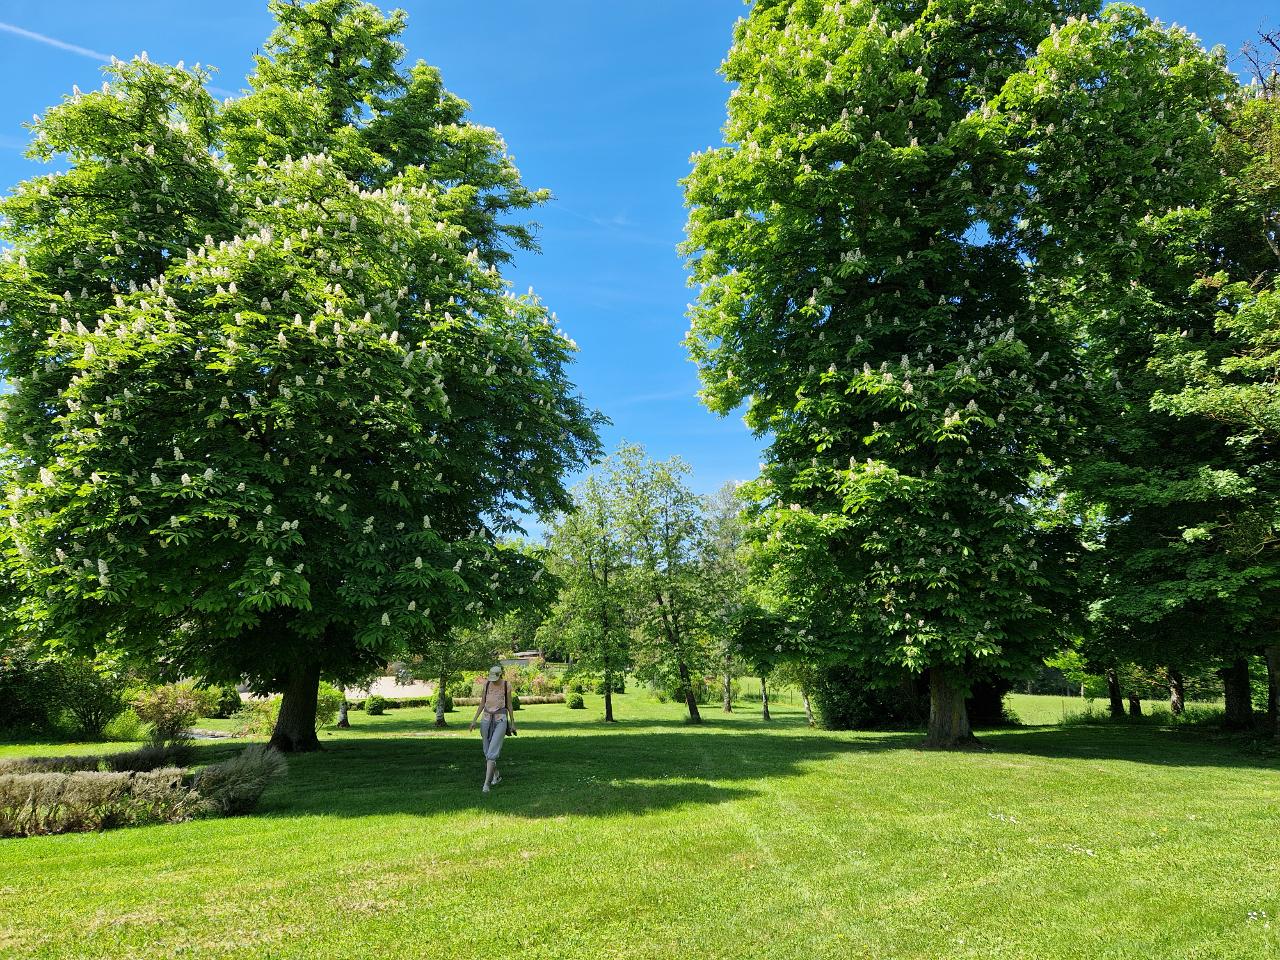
(54,42)
(82,51)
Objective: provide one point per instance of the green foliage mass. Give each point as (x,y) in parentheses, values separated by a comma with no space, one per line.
(997,282)
(871,304)
(1153,209)
(592,616)
(272,398)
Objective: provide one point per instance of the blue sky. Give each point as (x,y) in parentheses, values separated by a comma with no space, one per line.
(602,102)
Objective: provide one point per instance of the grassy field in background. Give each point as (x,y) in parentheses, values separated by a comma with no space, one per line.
(654,839)
(1036,711)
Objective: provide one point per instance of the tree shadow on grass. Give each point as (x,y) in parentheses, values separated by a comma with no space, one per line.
(457,723)
(601,775)
(582,767)
(1145,744)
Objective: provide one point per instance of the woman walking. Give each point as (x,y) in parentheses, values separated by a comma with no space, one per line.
(498,720)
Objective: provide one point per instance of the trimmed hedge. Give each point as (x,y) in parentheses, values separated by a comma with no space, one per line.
(524,701)
(393,703)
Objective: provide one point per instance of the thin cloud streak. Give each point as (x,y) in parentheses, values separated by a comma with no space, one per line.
(81,51)
(54,42)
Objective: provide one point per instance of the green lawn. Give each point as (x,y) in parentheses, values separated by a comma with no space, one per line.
(1041,711)
(652,839)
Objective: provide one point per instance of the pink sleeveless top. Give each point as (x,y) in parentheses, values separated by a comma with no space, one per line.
(495,696)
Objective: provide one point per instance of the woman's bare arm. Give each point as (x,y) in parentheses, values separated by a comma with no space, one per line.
(479,707)
(511,714)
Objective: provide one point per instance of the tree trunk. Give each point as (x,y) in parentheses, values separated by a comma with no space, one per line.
(691,701)
(440,719)
(948,717)
(1273,688)
(1236,693)
(1135,705)
(608,696)
(343,722)
(728,692)
(808,707)
(764,697)
(1113,692)
(1177,693)
(296,726)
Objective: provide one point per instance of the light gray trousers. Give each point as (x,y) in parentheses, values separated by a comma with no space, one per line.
(492,732)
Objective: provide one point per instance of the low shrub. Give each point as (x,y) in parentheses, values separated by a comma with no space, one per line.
(544,684)
(40,795)
(71,764)
(845,698)
(150,756)
(126,727)
(40,803)
(93,696)
(28,689)
(236,785)
(172,708)
(515,702)
(575,702)
(257,718)
(395,703)
(673,690)
(226,701)
(459,685)
(375,705)
(328,701)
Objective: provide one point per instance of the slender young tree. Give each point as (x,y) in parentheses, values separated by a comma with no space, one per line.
(726,582)
(662,523)
(272,399)
(588,553)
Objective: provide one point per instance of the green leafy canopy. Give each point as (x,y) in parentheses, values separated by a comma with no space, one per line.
(272,398)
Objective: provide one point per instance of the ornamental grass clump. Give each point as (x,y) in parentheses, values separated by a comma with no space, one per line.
(236,785)
(42,803)
(42,795)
